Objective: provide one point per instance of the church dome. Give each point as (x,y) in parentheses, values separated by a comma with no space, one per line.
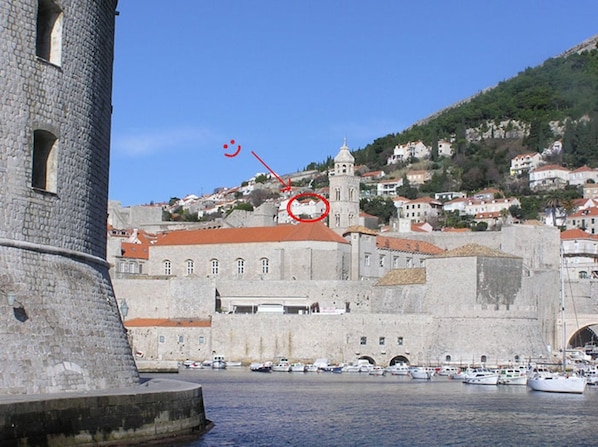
(344,156)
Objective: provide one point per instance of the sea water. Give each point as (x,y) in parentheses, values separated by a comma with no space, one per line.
(325,409)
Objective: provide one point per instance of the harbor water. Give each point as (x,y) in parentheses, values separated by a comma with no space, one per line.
(325,409)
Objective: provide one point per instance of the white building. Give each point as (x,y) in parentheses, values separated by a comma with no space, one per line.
(549,177)
(525,162)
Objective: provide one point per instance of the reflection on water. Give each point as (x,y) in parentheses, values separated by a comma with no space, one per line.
(308,409)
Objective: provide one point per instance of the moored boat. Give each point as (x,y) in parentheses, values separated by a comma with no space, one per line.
(377,371)
(218,362)
(283,365)
(261,367)
(512,376)
(398,369)
(557,383)
(421,372)
(298,367)
(481,376)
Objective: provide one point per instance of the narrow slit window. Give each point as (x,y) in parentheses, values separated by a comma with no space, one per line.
(48,45)
(44,161)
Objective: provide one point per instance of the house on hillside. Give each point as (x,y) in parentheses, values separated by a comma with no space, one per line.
(418,177)
(421,209)
(548,177)
(445,149)
(388,187)
(582,175)
(580,253)
(525,163)
(584,219)
(404,152)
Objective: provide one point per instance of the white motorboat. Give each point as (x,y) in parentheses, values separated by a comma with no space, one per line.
(360,366)
(283,365)
(481,376)
(218,362)
(398,369)
(421,372)
(261,366)
(298,367)
(377,371)
(311,367)
(512,376)
(447,370)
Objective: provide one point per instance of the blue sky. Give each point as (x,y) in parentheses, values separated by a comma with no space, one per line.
(290,79)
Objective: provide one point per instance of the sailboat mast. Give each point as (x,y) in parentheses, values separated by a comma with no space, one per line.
(564,331)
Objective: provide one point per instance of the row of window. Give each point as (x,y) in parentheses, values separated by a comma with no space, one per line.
(181,339)
(367,261)
(214,266)
(381,341)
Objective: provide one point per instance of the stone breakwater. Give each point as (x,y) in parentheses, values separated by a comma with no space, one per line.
(156,409)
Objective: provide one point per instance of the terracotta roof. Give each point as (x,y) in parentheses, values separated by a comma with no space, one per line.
(403,277)
(474,250)
(280,233)
(576,233)
(360,229)
(584,169)
(551,168)
(134,251)
(407,245)
(591,211)
(166,322)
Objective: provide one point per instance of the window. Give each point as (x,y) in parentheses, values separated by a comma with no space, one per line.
(400,341)
(382,260)
(447,358)
(583,275)
(337,193)
(161,338)
(202,340)
(214,265)
(395,262)
(409,263)
(190,266)
(265,266)
(367,260)
(44,161)
(337,220)
(181,339)
(351,219)
(167,267)
(240,266)
(483,359)
(363,341)
(381,341)
(48,44)
(352,194)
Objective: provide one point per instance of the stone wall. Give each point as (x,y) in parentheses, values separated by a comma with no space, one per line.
(63,331)
(157,409)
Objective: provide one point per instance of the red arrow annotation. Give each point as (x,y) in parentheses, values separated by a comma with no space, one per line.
(286,187)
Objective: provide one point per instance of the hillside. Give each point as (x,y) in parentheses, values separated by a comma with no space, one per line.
(556,100)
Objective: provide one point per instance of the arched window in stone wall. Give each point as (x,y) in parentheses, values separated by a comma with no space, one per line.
(214,266)
(351,219)
(352,194)
(337,193)
(447,358)
(167,267)
(44,169)
(48,45)
(190,266)
(337,220)
(240,266)
(265,266)
(583,275)
(483,359)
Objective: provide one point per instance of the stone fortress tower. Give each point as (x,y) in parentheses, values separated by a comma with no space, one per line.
(344,192)
(59,321)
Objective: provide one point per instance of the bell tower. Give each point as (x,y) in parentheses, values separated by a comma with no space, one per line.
(344,192)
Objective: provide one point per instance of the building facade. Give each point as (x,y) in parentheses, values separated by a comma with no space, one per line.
(344,192)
